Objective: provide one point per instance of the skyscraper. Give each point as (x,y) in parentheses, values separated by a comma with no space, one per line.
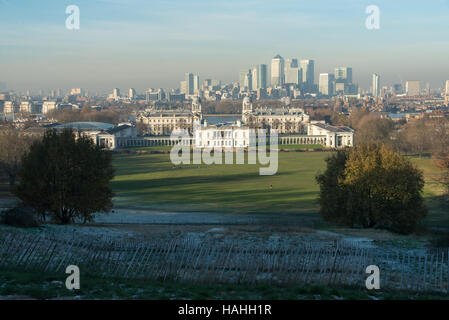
(326,84)
(412,88)
(116,93)
(447,88)
(261,76)
(277,71)
(189,84)
(132,94)
(292,72)
(343,74)
(308,71)
(376,85)
(246,80)
(196,84)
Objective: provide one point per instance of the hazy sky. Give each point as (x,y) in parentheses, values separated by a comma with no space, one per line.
(152,43)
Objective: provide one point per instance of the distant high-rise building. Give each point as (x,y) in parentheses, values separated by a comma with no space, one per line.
(292,72)
(412,88)
(343,74)
(116,93)
(326,84)
(262,76)
(397,89)
(308,74)
(277,71)
(427,88)
(447,88)
(254,78)
(246,80)
(132,93)
(183,87)
(376,85)
(196,84)
(189,84)
(76,91)
(259,77)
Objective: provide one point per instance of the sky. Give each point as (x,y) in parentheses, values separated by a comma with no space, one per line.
(153,43)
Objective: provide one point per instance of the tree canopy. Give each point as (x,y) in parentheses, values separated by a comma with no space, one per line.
(371,186)
(13,144)
(66,176)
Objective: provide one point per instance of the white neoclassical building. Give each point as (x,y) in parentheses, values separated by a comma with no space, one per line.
(162,122)
(284,120)
(103,134)
(223,135)
(334,137)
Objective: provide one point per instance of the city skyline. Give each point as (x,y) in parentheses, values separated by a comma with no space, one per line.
(142,45)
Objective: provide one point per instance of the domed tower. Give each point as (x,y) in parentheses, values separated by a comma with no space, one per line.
(287,101)
(247,106)
(196,112)
(196,105)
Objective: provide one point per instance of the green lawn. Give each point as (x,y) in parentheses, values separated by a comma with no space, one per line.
(300,146)
(151,180)
(153,148)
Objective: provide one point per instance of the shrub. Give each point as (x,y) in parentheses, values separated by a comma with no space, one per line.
(20,217)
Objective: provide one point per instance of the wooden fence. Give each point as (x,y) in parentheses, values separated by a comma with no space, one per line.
(186,259)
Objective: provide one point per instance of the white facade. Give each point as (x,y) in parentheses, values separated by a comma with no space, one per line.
(10,107)
(336,137)
(447,88)
(326,84)
(376,85)
(48,106)
(116,93)
(132,94)
(412,88)
(75,91)
(223,136)
(108,139)
(26,106)
(277,71)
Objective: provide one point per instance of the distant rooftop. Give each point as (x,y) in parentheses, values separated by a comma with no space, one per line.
(332,128)
(86,125)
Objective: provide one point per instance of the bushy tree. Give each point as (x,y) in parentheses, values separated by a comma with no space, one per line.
(13,145)
(66,176)
(332,190)
(371,186)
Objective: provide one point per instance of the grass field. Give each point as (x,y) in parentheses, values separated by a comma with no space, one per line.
(151,180)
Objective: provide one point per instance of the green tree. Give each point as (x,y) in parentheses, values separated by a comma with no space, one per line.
(378,188)
(332,190)
(13,145)
(67,177)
